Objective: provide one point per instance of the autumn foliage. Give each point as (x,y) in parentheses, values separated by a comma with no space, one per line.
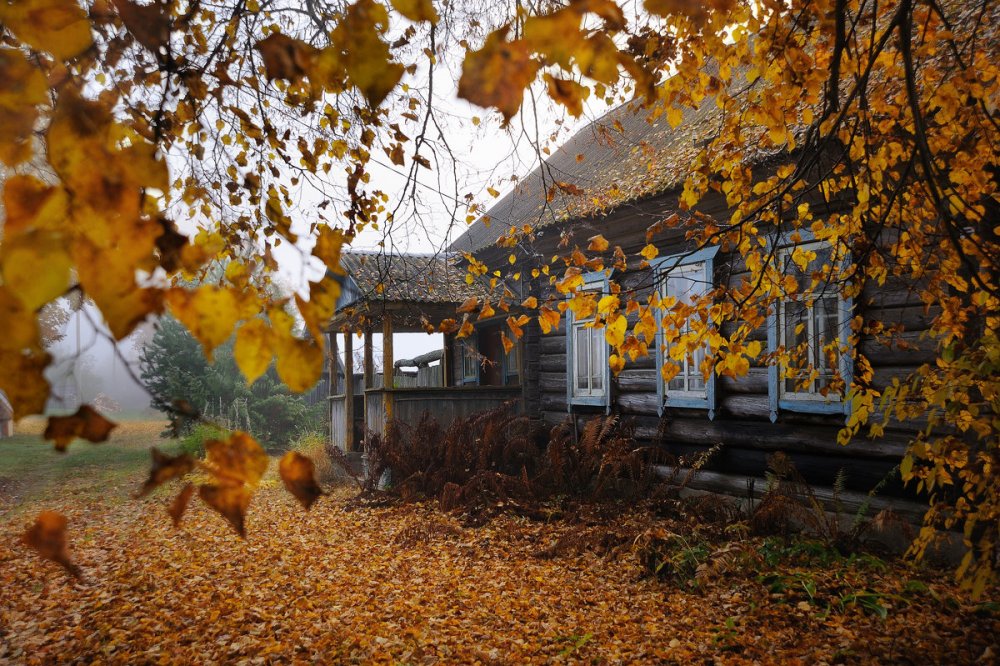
(868,127)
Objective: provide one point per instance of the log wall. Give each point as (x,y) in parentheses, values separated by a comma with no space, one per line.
(742,423)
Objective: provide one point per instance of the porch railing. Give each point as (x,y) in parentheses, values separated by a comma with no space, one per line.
(444,403)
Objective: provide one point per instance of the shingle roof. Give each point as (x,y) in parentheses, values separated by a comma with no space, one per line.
(620,157)
(404,278)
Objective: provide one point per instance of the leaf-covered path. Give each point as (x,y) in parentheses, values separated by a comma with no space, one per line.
(410,585)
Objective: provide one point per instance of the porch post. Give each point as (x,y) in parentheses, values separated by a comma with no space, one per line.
(369,360)
(332,362)
(387,366)
(445,362)
(348,391)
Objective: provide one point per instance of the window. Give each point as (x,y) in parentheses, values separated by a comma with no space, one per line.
(512,365)
(587,354)
(686,278)
(590,355)
(470,361)
(815,330)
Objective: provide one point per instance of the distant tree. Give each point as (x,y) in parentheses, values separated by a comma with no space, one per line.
(173,368)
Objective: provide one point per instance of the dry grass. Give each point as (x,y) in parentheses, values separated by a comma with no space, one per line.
(143,432)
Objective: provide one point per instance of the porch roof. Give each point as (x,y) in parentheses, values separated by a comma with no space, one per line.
(416,289)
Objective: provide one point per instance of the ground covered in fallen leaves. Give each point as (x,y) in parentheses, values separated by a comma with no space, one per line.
(408,584)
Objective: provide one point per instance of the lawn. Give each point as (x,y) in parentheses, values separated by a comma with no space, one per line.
(30,470)
(408,584)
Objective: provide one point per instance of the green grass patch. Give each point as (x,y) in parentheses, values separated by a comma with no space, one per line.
(30,469)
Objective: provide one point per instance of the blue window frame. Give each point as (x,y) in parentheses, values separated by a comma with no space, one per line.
(588,380)
(684,277)
(470,360)
(821,328)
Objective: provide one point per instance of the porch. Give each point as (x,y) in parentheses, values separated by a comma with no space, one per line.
(408,405)
(415,291)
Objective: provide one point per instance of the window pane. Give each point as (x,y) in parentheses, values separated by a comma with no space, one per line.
(696,382)
(597,361)
(795,334)
(582,354)
(825,325)
(677,383)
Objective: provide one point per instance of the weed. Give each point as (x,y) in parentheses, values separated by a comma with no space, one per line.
(575,642)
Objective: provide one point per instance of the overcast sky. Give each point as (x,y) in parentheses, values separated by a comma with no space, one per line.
(484,155)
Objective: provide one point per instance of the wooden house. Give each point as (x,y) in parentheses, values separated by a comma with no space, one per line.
(631,172)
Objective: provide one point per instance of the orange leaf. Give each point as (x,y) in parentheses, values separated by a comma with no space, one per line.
(231,501)
(469,305)
(598,243)
(48,538)
(86,424)
(164,469)
(239,459)
(298,473)
(180,503)
(497,74)
(284,57)
(149,24)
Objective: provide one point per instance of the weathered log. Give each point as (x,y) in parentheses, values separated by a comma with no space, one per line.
(755,381)
(633,380)
(553,343)
(553,362)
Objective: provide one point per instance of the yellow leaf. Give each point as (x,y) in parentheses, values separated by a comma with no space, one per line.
(506,342)
(60,27)
(608,304)
(253,349)
(22,87)
(362,52)
(617,363)
(300,363)
(209,312)
(675,116)
(231,501)
(649,252)
(321,305)
(548,319)
(329,245)
(28,202)
(237,460)
(35,267)
(614,330)
(22,379)
(20,330)
(416,10)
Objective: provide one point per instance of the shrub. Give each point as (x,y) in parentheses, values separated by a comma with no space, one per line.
(313,446)
(193,443)
(498,457)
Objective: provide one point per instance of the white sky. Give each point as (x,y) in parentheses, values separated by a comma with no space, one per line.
(485,155)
